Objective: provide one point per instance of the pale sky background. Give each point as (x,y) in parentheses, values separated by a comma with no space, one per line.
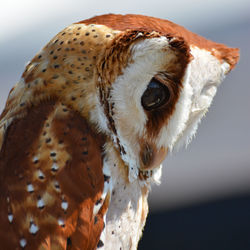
(217,162)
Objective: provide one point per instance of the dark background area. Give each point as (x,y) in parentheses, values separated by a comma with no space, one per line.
(217,225)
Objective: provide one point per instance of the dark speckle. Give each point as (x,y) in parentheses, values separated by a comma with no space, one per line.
(77,34)
(87,34)
(41,177)
(69,242)
(70,72)
(85,152)
(44,70)
(73,98)
(82,43)
(84,138)
(63,33)
(61,42)
(35,161)
(51,52)
(56,66)
(95,219)
(48,140)
(98,201)
(78,28)
(52,154)
(55,57)
(106,178)
(107,35)
(100,244)
(39,56)
(41,207)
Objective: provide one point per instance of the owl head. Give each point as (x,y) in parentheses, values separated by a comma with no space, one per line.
(143,82)
(156,81)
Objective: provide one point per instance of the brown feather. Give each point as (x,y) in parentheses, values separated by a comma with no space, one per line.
(137,22)
(79,178)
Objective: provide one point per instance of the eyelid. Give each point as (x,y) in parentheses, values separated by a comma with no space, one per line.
(161,80)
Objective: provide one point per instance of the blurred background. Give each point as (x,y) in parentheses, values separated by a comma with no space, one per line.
(204,199)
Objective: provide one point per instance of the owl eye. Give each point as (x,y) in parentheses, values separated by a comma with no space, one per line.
(156,95)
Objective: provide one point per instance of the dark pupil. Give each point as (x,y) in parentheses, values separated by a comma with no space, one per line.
(155,95)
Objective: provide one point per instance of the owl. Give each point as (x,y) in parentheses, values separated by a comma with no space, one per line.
(85,130)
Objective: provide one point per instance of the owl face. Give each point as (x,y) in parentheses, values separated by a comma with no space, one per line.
(157,101)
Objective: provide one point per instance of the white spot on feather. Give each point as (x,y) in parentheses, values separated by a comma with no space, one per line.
(33,228)
(23,242)
(61,222)
(41,174)
(30,188)
(40,203)
(10,217)
(35,159)
(56,185)
(64,205)
(54,167)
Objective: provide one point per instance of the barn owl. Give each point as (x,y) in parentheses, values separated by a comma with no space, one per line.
(85,130)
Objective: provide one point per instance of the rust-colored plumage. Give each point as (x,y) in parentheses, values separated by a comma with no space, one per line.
(137,22)
(78,148)
(51,171)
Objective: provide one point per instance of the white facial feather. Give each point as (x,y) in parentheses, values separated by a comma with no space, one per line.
(206,74)
(177,122)
(148,57)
